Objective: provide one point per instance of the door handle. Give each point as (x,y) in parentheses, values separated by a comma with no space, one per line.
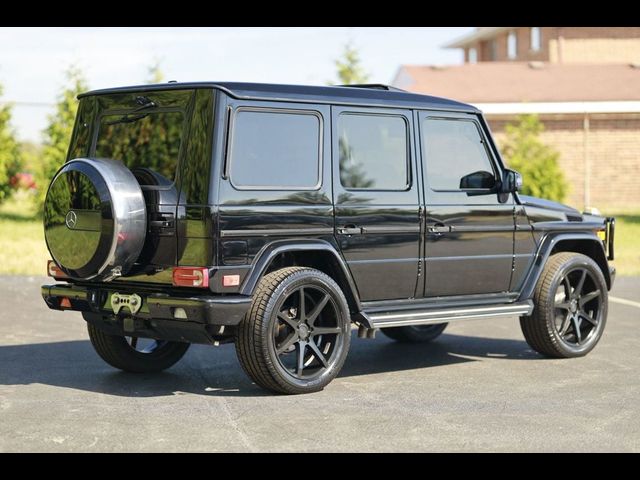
(350,230)
(439,228)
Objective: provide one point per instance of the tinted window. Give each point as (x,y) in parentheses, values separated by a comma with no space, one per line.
(150,141)
(275,150)
(373,152)
(452,149)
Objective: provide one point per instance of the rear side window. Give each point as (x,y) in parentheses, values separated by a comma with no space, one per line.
(373,152)
(150,141)
(273,149)
(452,149)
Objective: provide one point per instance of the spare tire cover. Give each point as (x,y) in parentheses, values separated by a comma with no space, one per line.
(95,219)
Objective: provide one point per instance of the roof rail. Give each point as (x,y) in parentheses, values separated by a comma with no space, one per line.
(376,86)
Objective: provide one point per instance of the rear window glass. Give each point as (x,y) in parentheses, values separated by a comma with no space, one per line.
(275,150)
(143,140)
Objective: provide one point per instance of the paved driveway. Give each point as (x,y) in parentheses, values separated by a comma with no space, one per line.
(478,388)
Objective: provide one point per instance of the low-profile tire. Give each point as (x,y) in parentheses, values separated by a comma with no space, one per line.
(124,353)
(570,307)
(415,333)
(296,335)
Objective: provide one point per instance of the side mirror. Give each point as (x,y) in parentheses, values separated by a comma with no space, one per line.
(512,181)
(478,180)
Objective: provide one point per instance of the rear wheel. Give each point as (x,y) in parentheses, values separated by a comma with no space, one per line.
(136,355)
(415,333)
(570,307)
(296,335)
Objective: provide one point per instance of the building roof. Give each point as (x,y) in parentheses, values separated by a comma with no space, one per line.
(502,82)
(370,95)
(481,33)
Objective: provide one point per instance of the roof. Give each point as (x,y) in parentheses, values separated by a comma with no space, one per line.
(481,33)
(370,95)
(501,82)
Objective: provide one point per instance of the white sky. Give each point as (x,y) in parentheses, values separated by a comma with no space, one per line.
(32,60)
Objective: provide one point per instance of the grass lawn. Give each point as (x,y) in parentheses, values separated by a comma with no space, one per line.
(627,243)
(23,251)
(22,247)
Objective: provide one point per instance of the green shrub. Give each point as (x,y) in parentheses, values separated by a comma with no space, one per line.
(538,163)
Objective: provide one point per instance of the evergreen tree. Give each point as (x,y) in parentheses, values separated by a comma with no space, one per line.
(349,69)
(155,74)
(58,132)
(10,158)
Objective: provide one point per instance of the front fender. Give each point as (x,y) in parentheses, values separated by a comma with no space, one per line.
(553,242)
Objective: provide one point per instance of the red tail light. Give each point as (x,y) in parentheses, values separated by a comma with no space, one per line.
(54,271)
(191,277)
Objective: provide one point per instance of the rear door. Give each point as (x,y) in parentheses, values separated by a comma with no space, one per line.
(469,225)
(274,185)
(148,132)
(376,200)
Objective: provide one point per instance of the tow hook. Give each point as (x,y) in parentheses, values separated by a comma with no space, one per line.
(133,302)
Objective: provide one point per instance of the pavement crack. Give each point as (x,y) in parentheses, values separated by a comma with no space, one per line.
(227,411)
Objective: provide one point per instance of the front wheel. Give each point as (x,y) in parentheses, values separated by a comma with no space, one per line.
(296,335)
(133,354)
(570,307)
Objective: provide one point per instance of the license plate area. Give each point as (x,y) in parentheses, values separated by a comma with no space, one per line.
(133,302)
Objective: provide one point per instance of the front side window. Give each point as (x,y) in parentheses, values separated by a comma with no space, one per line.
(275,150)
(454,155)
(373,152)
(512,46)
(143,140)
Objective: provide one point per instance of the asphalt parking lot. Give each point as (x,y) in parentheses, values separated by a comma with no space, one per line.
(478,388)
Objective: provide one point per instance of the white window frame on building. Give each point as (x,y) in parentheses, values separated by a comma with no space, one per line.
(512,45)
(473,55)
(493,49)
(535,39)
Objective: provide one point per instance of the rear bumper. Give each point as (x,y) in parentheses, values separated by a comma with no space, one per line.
(205,310)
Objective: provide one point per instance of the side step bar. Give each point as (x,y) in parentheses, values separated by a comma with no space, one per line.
(426,317)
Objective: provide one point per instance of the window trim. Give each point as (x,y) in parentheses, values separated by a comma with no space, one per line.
(409,176)
(425,160)
(512,36)
(186,127)
(231,132)
(538,35)
(475,55)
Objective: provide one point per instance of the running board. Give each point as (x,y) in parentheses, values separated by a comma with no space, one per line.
(426,317)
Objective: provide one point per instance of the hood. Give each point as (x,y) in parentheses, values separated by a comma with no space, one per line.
(547,204)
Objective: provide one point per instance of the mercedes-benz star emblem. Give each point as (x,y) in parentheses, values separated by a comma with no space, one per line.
(71,219)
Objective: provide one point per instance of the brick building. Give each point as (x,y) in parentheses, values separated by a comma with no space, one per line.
(583,82)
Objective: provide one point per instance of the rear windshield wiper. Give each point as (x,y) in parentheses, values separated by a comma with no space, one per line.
(128,118)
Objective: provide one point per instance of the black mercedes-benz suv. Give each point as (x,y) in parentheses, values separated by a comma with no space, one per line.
(278,216)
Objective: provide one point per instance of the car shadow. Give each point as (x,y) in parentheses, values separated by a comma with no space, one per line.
(216,371)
